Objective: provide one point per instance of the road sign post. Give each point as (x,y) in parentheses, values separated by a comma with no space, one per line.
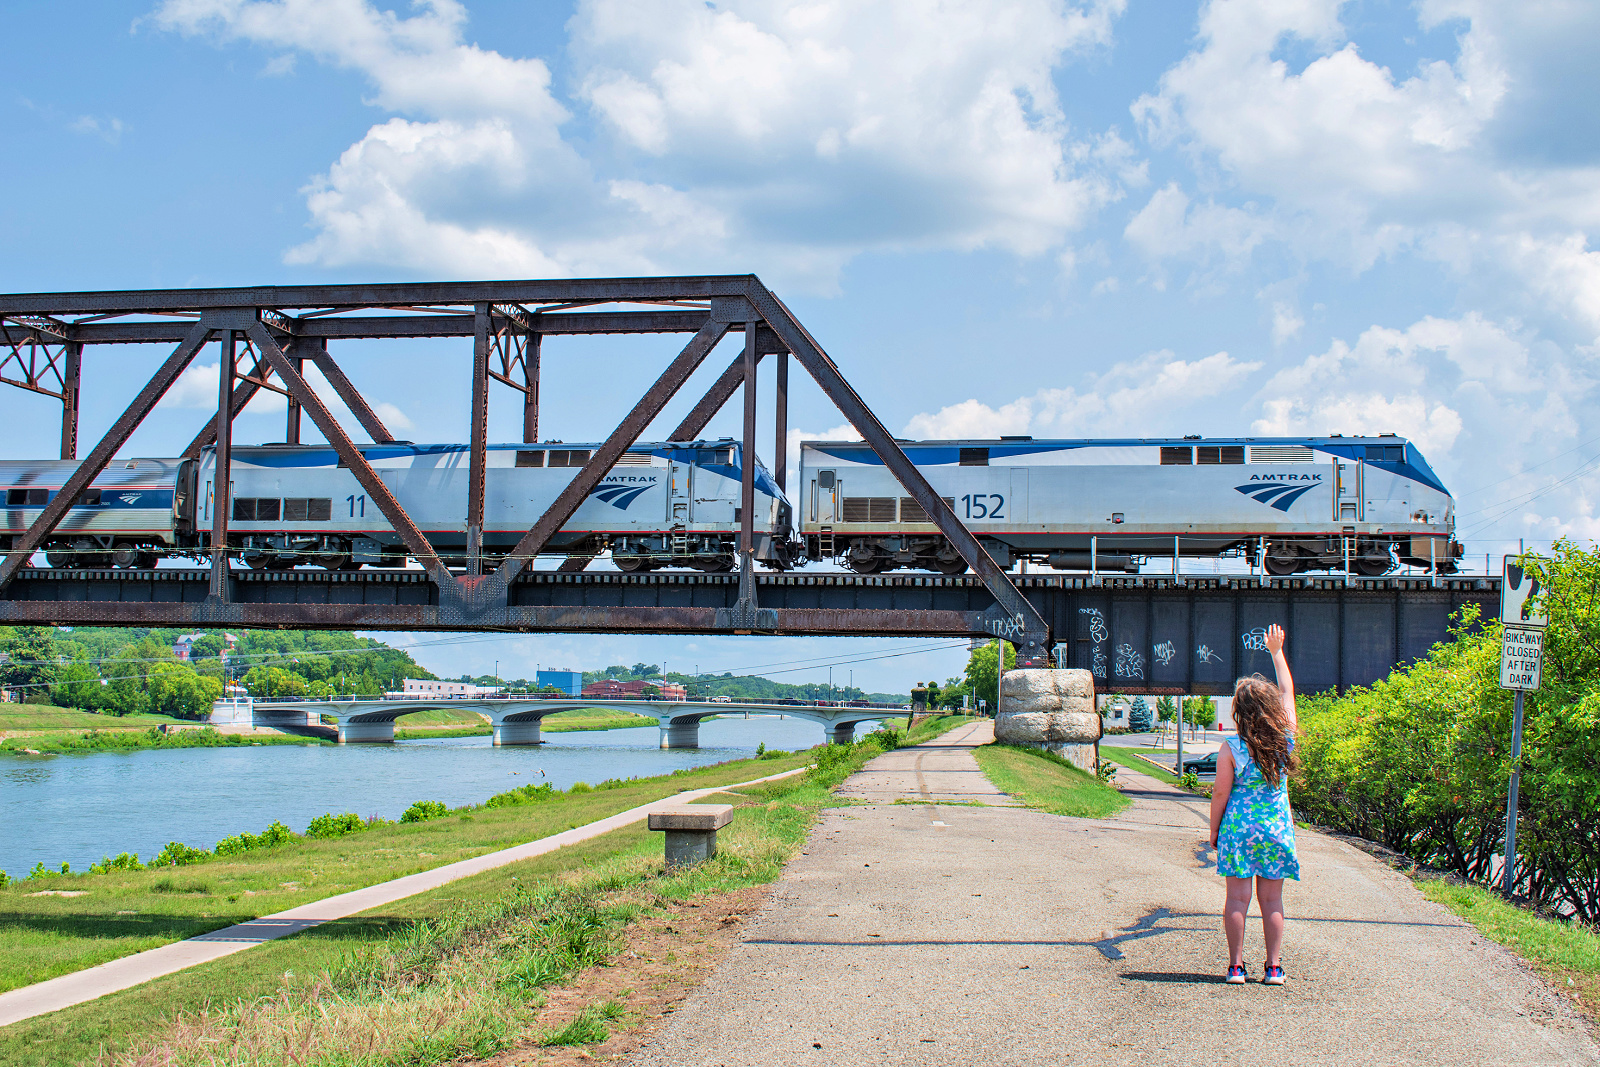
(1523,621)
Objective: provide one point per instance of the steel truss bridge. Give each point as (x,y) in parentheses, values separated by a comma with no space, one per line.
(1138,634)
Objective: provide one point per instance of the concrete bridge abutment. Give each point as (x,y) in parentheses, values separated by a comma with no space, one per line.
(367,733)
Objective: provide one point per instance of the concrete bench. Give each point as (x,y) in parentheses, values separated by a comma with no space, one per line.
(691,831)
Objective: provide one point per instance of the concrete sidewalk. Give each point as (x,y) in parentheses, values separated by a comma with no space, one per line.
(951,934)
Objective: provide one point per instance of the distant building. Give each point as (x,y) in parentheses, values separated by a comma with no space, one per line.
(611,689)
(569,682)
(433,690)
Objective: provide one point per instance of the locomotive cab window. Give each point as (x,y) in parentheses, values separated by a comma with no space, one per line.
(1171,456)
(714,455)
(307,509)
(27,498)
(1386,453)
(974,457)
(529,459)
(1218,454)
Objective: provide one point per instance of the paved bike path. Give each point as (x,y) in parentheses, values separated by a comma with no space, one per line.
(956,934)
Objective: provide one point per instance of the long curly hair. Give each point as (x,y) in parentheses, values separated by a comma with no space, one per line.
(1263,726)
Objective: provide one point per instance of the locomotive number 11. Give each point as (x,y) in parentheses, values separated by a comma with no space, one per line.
(358,506)
(978,506)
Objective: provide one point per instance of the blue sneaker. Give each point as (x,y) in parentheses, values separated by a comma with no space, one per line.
(1274,976)
(1236,975)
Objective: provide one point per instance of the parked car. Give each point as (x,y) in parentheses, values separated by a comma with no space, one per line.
(722,698)
(1206,764)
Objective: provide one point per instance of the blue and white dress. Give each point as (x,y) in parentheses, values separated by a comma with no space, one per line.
(1256,839)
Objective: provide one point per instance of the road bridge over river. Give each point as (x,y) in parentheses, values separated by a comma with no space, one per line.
(516,721)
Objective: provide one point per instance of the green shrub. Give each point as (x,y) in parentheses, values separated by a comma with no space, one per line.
(424,810)
(528,794)
(178,854)
(276,834)
(331,825)
(124,861)
(776,753)
(581,787)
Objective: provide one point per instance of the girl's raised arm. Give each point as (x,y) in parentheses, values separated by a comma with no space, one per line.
(1281,666)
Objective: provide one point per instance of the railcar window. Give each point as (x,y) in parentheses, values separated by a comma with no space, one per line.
(27,498)
(1176,457)
(1386,453)
(974,457)
(714,455)
(825,479)
(575,457)
(1217,454)
(530,459)
(911,511)
(307,509)
(89,498)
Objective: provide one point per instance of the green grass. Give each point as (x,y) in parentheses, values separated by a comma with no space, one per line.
(123,912)
(1121,756)
(1566,953)
(148,737)
(448,974)
(1047,782)
(43,717)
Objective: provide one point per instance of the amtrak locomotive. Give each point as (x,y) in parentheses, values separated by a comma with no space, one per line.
(1294,504)
(661,505)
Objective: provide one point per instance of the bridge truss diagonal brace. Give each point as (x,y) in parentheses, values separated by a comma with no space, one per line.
(1017,620)
(377,490)
(25,545)
(246,389)
(350,395)
(606,456)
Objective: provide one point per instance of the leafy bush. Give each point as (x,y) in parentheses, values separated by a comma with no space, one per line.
(331,825)
(423,810)
(581,787)
(773,753)
(124,861)
(276,834)
(1420,761)
(178,854)
(528,794)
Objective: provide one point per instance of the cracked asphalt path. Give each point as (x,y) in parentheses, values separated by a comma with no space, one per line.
(950,933)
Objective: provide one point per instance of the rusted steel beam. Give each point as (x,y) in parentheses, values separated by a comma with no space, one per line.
(747,469)
(606,456)
(377,489)
(530,388)
(25,545)
(1022,624)
(721,391)
(242,395)
(478,448)
(405,294)
(222,471)
(71,384)
(351,396)
(780,419)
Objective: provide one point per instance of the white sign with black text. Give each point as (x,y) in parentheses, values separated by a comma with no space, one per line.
(1521,655)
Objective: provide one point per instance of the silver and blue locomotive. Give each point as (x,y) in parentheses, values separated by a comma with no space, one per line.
(1289,504)
(664,504)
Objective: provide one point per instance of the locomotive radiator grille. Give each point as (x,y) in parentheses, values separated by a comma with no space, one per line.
(911,511)
(868,509)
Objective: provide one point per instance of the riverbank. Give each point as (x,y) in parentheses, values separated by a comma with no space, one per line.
(378,981)
(191,735)
(18,720)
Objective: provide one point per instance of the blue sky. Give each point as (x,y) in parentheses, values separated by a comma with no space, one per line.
(1130,218)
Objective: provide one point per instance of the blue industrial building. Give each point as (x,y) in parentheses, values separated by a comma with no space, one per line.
(569,682)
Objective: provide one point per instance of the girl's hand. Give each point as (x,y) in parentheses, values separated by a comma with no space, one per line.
(1212,841)
(1274,638)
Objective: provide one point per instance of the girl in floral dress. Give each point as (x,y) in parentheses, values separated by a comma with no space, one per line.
(1251,826)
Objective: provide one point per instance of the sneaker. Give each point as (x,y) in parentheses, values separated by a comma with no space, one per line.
(1236,975)
(1274,976)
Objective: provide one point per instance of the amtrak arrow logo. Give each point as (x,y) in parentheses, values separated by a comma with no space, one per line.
(129,498)
(619,496)
(1277,494)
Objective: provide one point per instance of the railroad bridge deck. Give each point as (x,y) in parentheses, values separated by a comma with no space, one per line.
(1136,633)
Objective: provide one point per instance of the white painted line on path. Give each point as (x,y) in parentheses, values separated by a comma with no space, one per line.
(129,971)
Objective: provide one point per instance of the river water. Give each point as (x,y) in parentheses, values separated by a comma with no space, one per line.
(80,807)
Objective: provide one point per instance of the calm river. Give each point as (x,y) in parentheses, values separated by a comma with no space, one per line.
(78,808)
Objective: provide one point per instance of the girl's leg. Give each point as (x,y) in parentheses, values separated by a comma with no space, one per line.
(1269,891)
(1233,916)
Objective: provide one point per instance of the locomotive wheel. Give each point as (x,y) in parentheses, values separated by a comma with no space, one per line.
(332,561)
(951,566)
(124,554)
(865,566)
(1281,565)
(1373,566)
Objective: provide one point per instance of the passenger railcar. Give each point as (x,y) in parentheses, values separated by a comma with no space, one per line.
(664,504)
(1297,504)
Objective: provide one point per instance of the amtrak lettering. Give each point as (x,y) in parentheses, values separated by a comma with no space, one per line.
(1279,491)
(617,491)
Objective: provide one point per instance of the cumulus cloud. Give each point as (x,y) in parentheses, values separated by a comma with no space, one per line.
(773,132)
(1148,392)
(196,390)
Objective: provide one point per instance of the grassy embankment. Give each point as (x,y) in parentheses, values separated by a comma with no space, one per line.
(44,718)
(1124,758)
(1047,782)
(448,722)
(453,972)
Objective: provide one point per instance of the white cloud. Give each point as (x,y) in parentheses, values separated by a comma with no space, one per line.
(1148,392)
(784,133)
(1286,322)
(196,390)
(108,129)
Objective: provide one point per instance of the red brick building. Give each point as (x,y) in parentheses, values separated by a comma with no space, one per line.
(611,689)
